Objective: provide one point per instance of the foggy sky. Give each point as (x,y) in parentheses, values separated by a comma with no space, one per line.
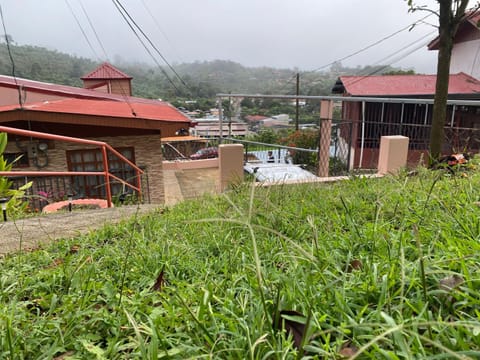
(303,34)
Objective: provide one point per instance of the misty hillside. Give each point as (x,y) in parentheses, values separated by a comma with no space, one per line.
(198,79)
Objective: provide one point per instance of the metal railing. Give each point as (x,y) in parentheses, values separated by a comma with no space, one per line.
(339,151)
(369,118)
(105,173)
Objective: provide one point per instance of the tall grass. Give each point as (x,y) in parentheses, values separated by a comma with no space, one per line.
(365,266)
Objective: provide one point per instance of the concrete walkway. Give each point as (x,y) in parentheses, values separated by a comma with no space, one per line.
(30,233)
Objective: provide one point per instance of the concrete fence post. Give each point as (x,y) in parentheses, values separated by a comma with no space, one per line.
(230,164)
(393,154)
(326,115)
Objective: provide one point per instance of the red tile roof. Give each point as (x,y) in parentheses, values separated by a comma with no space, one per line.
(407,85)
(67,91)
(255,117)
(106,71)
(133,110)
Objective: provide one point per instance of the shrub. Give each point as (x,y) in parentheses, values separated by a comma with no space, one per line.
(16,203)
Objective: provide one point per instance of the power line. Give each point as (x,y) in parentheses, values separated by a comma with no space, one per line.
(145,46)
(81,29)
(289,81)
(396,59)
(410,26)
(151,44)
(373,44)
(7,41)
(160,28)
(406,47)
(122,89)
(93,29)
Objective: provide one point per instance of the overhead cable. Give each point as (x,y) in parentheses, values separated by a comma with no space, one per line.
(81,29)
(420,46)
(151,43)
(119,8)
(93,29)
(160,28)
(7,41)
(122,88)
(373,44)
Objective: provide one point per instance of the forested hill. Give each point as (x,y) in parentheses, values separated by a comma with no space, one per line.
(203,79)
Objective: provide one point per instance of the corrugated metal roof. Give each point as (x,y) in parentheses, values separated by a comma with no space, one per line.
(67,91)
(132,110)
(106,71)
(407,85)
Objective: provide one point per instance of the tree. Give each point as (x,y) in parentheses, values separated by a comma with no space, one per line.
(450,14)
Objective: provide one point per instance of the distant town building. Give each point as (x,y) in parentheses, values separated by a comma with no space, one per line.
(210,127)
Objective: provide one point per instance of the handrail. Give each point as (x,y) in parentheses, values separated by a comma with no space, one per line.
(351,99)
(101,144)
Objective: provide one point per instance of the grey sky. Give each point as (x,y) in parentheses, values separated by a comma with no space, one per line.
(305,34)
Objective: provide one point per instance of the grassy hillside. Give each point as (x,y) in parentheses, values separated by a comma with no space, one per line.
(382,268)
(36,63)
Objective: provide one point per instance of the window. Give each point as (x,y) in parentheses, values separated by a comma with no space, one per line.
(91,160)
(17,160)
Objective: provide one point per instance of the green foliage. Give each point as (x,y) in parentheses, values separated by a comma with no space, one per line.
(205,279)
(305,139)
(16,203)
(267,136)
(36,63)
(204,79)
(400,72)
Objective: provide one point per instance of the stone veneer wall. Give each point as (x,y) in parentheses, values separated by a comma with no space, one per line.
(148,156)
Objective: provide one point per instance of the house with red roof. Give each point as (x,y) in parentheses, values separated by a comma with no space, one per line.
(371,120)
(103,110)
(108,79)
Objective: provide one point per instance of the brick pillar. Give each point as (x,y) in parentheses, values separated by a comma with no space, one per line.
(393,154)
(230,159)
(326,114)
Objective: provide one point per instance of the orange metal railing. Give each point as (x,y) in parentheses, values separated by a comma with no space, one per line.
(102,145)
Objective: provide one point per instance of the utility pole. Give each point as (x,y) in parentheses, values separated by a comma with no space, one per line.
(297,102)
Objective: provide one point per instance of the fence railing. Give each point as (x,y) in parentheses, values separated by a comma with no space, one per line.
(339,150)
(362,121)
(107,175)
(48,189)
